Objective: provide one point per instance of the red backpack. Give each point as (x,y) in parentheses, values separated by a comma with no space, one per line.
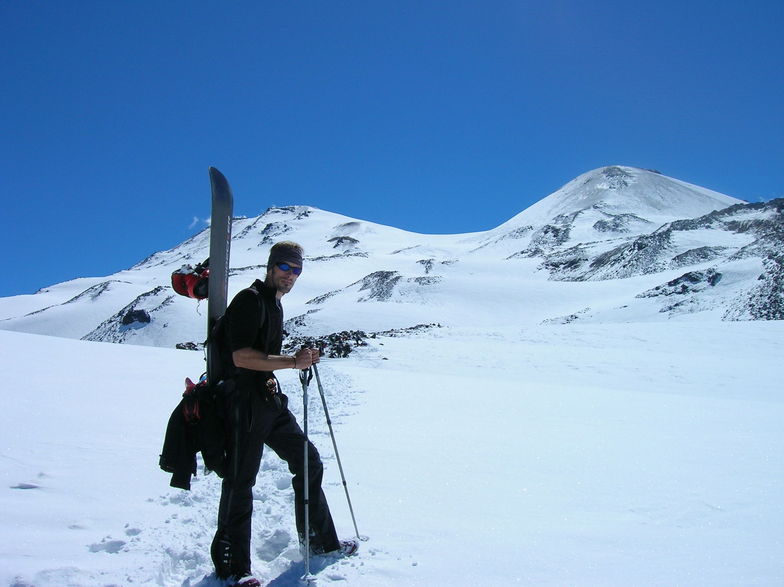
(192,282)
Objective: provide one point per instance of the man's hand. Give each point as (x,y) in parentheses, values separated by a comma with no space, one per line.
(306,357)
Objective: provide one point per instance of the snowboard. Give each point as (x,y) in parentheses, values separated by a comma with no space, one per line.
(220,248)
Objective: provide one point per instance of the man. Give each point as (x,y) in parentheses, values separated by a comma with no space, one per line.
(258,414)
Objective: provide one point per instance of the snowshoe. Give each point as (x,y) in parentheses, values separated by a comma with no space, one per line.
(246,581)
(348,547)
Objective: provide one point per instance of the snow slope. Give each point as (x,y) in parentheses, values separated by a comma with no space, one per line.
(595,250)
(620,454)
(557,401)
(626,190)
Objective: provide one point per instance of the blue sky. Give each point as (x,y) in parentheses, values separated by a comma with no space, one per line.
(436,117)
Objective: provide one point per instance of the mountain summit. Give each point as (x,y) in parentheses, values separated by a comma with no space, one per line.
(619,190)
(617,244)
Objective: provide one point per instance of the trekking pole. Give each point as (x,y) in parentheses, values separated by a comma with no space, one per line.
(305,375)
(337,454)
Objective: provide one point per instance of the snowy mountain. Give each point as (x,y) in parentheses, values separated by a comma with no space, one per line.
(533,404)
(616,244)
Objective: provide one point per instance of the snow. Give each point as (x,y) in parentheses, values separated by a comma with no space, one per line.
(590,454)
(627,190)
(539,432)
(611,225)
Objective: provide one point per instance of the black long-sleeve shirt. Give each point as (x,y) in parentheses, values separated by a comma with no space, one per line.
(255,320)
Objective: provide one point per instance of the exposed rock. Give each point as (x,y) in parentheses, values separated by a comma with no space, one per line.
(642,256)
(568,319)
(380,285)
(335,346)
(550,235)
(691,282)
(343,255)
(566,265)
(341,344)
(343,241)
(516,234)
(140,316)
(189,346)
(620,223)
(696,256)
(135,315)
(617,178)
(765,300)
(270,234)
(405,331)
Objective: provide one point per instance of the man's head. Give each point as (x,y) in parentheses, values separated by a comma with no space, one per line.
(284,266)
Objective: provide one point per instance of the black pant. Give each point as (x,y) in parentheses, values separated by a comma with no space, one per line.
(256,419)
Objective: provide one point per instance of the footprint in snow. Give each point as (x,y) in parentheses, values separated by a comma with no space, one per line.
(110,546)
(272,547)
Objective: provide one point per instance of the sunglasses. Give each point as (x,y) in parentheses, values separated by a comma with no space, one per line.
(287,267)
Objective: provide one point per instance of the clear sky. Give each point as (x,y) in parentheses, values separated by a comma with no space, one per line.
(432,116)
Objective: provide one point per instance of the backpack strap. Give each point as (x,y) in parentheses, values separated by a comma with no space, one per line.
(262,311)
(217,343)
